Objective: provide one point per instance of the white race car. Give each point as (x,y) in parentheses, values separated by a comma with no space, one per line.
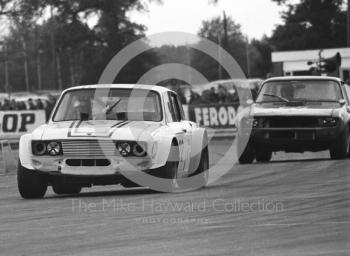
(133,135)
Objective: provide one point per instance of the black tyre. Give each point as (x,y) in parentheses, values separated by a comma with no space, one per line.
(246,153)
(263,156)
(340,148)
(129,184)
(30,183)
(169,170)
(61,189)
(203,168)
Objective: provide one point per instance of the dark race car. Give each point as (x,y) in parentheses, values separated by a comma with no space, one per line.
(296,114)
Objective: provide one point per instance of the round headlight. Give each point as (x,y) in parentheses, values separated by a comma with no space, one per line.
(329,121)
(39,148)
(124,149)
(255,123)
(53,148)
(139,150)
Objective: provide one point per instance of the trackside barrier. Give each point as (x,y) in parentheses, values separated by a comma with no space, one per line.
(13,124)
(218,118)
(8,157)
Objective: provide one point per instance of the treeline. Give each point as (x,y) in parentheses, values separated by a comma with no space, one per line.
(55,44)
(51,44)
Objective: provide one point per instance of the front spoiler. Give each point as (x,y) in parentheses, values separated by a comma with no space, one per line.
(295,139)
(58,166)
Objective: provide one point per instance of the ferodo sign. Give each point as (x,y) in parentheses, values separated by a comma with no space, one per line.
(215,116)
(16,123)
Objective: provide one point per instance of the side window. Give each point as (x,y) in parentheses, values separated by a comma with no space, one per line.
(174,108)
(347,92)
(182,113)
(172,117)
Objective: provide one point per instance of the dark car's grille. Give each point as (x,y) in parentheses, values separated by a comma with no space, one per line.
(296,135)
(292,122)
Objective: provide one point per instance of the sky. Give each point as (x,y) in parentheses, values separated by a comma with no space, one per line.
(257,17)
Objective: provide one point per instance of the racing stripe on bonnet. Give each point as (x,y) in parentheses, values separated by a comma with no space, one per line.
(71,128)
(116,126)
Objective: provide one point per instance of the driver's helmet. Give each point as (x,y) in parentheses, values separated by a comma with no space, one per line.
(287,91)
(83,104)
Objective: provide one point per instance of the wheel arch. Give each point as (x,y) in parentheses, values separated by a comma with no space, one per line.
(164,145)
(24,151)
(200,141)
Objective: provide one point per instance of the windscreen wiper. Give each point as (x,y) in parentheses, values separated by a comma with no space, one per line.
(112,107)
(276,96)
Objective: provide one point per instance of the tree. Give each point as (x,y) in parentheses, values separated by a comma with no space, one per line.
(57,33)
(261,57)
(311,24)
(235,43)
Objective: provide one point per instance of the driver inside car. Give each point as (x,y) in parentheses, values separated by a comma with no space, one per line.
(287,91)
(82,108)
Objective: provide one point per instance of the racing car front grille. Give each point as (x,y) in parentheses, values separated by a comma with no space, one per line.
(292,122)
(88,148)
(88,162)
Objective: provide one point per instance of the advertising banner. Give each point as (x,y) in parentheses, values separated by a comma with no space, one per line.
(218,118)
(13,124)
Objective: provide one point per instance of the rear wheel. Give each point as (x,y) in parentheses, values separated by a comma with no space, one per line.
(246,153)
(341,146)
(61,189)
(30,183)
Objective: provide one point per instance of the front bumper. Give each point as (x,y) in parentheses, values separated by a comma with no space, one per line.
(117,164)
(295,139)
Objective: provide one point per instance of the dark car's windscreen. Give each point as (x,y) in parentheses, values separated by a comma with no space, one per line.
(111,104)
(303,90)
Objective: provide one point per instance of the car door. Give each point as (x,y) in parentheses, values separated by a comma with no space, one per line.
(184,132)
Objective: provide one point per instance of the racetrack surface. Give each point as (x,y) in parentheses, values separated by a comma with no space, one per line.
(297,205)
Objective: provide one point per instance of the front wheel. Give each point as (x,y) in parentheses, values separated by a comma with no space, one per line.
(170,169)
(340,148)
(203,168)
(246,153)
(61,189)
(263,156)
(30,183)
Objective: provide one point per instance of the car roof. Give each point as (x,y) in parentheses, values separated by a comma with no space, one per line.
(157,88)
(298,78)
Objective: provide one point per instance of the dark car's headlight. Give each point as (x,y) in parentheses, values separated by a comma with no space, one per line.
(258,122)
(328,121)
(132,148)
(51,148)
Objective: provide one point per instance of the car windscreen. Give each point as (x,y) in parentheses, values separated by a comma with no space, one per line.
(110,104)
(302,90)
